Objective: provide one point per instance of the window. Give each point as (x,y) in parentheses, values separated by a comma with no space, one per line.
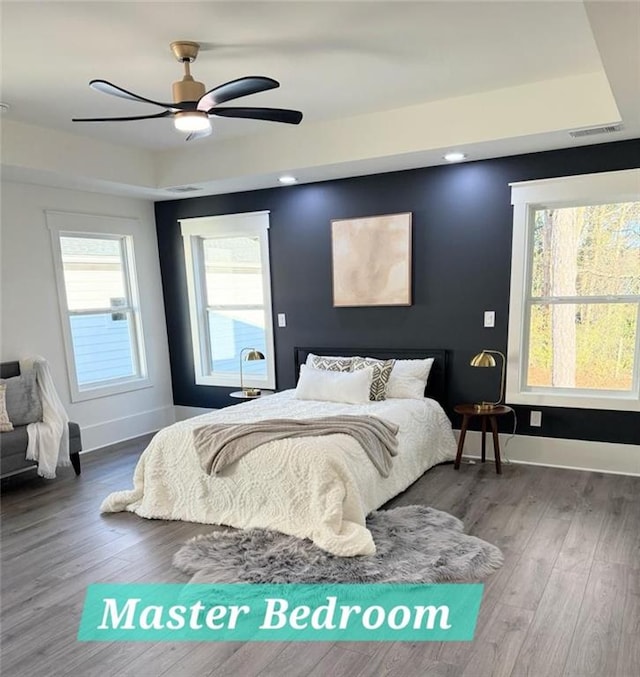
(99,303)
(574,326)
(228,280)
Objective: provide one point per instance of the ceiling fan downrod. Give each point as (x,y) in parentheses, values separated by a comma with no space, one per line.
(186,89)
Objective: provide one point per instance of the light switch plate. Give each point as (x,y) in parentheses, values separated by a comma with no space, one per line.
(489,318)
(282,320)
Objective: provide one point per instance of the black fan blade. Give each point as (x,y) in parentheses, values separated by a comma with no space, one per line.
(291,117)
(164,114)
(235,89)
(109,88)
(199,135)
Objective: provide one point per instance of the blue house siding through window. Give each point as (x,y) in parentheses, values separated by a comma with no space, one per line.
(231,336)
(102,347)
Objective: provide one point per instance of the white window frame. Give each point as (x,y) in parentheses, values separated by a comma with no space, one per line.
(229,225)
(526,198)
(73,224)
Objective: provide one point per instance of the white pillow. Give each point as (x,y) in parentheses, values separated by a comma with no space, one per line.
(409,379)
(334,386)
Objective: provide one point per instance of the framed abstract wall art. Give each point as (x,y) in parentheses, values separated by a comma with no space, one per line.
(371,259)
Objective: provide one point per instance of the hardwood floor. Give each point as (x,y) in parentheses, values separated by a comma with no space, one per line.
(565,603)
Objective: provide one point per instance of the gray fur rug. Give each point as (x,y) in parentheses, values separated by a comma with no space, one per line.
(414,544)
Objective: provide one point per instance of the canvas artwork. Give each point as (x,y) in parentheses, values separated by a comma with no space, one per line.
(372,260)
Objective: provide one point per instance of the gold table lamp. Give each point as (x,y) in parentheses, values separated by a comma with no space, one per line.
(252,354)
(486,359)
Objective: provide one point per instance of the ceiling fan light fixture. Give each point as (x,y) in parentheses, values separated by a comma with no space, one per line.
(191,121)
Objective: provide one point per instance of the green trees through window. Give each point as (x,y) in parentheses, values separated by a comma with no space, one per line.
(584,297)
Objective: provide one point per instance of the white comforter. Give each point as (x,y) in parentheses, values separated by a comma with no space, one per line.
(319,488)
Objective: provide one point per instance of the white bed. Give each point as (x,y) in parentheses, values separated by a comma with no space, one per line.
(319,488)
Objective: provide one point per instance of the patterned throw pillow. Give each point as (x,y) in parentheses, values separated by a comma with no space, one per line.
(381,373)
(5,423)
(329,363)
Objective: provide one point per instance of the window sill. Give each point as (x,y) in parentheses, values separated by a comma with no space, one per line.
(265,384)
(575,401)
(108,390)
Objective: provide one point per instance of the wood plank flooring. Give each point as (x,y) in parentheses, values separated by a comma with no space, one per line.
(566,603)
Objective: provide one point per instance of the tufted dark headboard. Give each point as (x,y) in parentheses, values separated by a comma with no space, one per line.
(437,384)
(9,369)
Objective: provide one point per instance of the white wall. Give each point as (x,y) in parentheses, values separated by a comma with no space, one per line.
(30,315)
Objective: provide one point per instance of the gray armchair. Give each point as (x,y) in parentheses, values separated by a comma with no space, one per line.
(13,444)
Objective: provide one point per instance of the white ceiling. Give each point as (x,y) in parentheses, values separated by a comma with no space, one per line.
(354,69)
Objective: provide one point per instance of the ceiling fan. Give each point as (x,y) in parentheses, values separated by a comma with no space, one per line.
(192,106)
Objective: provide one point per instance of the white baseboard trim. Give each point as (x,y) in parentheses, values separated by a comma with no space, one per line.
(116,430)
(182,412)
(605,457)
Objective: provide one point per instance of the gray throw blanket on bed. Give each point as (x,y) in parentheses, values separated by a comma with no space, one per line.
(219,445)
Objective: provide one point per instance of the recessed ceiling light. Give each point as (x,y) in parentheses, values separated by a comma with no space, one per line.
(454,157)
(287,179)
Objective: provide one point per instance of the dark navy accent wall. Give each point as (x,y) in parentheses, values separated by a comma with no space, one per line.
(462,222)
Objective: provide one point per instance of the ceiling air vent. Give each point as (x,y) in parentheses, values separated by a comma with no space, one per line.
(182,189)
(592,131)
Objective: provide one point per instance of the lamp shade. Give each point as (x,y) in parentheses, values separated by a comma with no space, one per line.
(253,354)
(483,359)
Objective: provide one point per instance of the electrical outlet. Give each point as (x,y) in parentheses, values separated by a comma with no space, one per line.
(489,318)
(535,420)
(282,320)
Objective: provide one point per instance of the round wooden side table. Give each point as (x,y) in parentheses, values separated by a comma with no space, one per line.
(468,411)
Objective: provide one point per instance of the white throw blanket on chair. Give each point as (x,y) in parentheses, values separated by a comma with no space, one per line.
(48,439)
